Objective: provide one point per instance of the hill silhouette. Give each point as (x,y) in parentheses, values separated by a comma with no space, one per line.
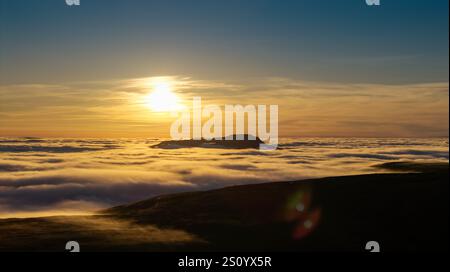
(402,211)
(247,141)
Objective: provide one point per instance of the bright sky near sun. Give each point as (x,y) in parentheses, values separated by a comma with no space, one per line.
(162,97)
(121,68)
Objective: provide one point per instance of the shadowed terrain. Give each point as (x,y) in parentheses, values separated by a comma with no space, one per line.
(247,141)
(402,211)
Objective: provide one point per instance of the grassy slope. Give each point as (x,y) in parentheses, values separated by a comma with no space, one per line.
(405,211)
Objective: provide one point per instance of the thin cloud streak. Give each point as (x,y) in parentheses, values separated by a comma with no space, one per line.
(116,108)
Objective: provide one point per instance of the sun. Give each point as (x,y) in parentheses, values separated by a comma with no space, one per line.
(162,98)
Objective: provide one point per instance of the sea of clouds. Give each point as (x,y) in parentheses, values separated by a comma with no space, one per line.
(77,176)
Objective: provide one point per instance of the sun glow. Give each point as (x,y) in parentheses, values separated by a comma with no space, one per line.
(162,98)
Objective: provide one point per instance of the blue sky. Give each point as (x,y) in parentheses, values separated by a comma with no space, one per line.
(401,41)
(334,67)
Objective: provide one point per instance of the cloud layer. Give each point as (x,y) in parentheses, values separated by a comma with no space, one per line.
(61,176)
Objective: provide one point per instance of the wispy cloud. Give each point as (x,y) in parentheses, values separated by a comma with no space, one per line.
(117,107)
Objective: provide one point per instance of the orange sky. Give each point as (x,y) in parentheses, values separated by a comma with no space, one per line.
(120,108)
